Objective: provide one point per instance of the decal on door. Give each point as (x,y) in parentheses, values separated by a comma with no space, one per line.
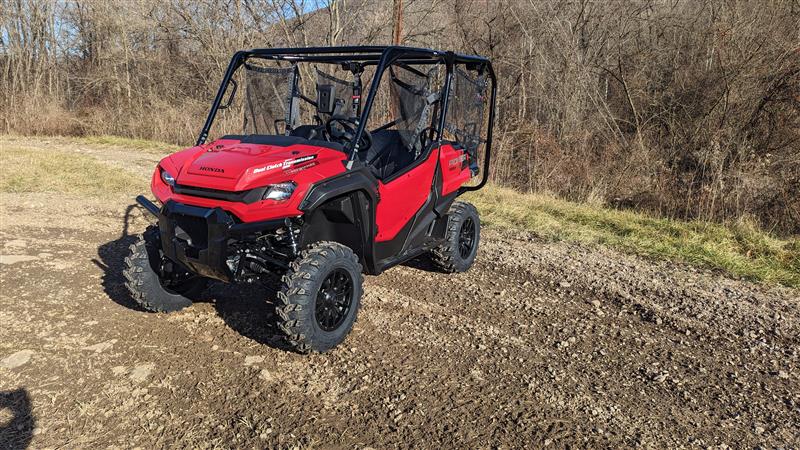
(457,161)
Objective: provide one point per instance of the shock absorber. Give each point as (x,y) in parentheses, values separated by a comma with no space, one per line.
(292,238)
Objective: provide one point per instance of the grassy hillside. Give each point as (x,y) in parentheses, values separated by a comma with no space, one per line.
(739,249)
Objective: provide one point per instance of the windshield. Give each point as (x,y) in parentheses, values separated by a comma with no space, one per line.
(277,100)
(270,102)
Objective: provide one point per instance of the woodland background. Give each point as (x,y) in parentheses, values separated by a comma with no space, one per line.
(681,108)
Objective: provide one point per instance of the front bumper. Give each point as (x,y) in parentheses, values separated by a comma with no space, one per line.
(198,237)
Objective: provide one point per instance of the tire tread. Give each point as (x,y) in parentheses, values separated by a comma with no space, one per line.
(446,256)
(297,293)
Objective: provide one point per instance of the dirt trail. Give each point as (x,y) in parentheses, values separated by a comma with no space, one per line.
(539,344)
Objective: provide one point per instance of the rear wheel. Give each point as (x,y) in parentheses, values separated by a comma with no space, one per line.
(156,283)
(320,297)
(462,237)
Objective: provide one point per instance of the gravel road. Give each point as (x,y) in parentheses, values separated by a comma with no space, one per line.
(540,344)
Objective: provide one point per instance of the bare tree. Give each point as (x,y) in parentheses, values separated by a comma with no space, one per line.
(685,108)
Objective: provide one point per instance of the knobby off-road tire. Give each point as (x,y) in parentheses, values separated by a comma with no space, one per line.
(320,297)
(461,239)
(146,285)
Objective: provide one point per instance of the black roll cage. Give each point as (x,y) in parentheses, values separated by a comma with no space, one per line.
(380,56)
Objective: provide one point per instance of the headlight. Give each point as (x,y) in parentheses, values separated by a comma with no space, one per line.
(280,191)
(167,178)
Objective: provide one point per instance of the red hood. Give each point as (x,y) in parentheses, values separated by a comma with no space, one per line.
(232,166)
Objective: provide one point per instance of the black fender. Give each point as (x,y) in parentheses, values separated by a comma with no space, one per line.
(342,209)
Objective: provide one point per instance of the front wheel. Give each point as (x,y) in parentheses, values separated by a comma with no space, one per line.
(156,283)
(462,237)
(320,297)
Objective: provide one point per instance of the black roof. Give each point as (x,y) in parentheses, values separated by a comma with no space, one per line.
(368,55)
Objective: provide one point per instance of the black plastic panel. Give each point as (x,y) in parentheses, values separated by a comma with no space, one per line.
(282,141)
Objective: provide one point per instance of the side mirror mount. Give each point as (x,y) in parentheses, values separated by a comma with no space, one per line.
(231,96)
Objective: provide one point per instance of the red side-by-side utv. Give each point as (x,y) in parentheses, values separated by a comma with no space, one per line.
(321,187)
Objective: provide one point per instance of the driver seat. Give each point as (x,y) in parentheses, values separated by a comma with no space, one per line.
(394,156)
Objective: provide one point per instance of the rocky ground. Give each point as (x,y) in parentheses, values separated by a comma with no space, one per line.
(540,344)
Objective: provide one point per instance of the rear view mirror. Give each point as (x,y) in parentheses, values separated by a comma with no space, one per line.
(326,98)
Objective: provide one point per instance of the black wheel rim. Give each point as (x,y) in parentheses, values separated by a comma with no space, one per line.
(334,298)
(466,238)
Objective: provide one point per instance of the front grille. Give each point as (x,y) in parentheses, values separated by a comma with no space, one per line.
(247,197)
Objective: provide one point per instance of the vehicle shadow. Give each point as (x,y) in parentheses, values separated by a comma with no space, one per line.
(112,261)
(18,432)
(424,263)
(247,309)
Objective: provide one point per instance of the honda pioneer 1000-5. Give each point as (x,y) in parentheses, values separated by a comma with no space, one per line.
(321,185)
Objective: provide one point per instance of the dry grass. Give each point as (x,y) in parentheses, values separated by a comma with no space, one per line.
(31,170)
(738,249)
(128,143)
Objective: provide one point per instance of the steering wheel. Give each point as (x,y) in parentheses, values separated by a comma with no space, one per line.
(349,126)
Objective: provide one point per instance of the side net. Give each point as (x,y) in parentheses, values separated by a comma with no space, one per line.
(465,112)
(413,103)
(271,105)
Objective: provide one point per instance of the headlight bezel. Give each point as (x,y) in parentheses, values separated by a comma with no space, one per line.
(279,192)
